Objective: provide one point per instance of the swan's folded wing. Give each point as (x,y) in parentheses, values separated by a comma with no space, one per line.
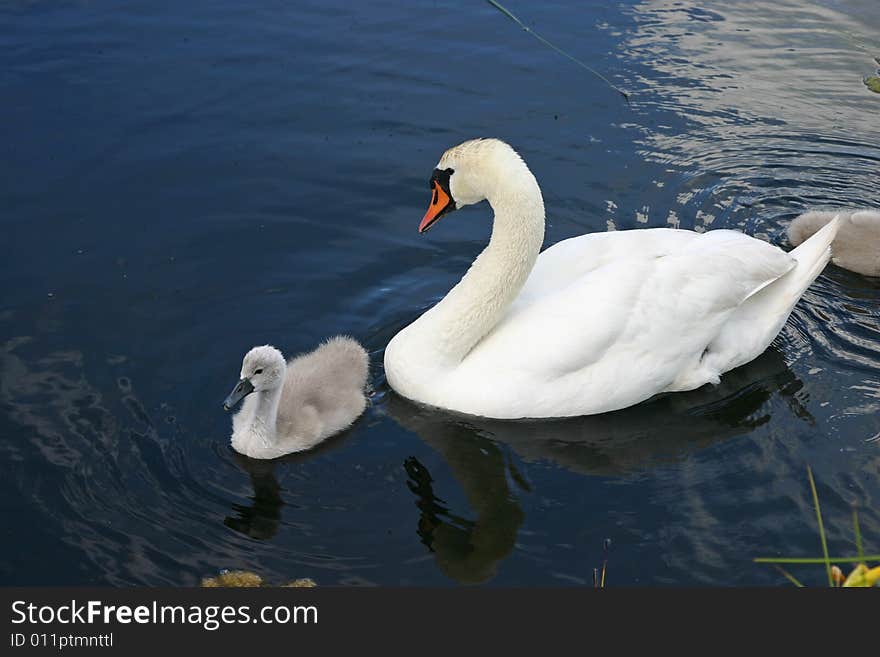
(693,293)
(727,267)
(630,328)
(565,262)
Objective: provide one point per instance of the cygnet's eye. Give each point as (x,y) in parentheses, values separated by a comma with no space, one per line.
(259,371)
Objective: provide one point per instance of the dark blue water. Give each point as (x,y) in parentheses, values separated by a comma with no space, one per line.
(181,181)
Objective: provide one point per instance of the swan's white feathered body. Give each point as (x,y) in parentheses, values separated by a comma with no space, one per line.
(594,323)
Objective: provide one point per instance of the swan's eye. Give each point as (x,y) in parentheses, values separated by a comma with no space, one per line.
(259,371)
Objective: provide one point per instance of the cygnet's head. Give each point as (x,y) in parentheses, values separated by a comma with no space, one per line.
(262,369)
(470,173)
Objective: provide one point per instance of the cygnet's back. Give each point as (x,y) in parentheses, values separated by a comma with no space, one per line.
(857,245)
(323,391)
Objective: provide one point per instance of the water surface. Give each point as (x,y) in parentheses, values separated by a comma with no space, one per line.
(179,183)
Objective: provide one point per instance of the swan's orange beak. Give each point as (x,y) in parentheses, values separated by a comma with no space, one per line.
(440,205)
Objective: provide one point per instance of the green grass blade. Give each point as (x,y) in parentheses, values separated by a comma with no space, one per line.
(858,533)
(789,577)
(577,61)
(821,526)
(869,557)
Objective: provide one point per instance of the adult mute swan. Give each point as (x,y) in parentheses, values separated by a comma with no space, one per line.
(594,323)
(298,404)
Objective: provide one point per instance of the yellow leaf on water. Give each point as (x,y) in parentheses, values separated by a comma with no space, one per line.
(233,578)
(861,576)
(246,579)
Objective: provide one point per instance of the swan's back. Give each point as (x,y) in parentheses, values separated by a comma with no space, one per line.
(608,320)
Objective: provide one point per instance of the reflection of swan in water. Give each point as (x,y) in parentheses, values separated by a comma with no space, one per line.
(611,444)
(261,518)
(467,551)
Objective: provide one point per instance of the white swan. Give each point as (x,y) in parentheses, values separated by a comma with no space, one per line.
(298,404)
(594,323)
(857,245)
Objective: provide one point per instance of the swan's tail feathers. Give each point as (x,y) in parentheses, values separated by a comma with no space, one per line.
(812,256)
(754,325)
(809,223)
(857,245)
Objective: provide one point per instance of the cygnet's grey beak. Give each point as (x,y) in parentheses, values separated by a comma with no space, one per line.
(241,390)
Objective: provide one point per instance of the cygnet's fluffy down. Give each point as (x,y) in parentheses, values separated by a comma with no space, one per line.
(291,407)
(857,245)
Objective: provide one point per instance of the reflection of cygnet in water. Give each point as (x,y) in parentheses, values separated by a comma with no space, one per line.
(261,517)
(291,407)
(857,245)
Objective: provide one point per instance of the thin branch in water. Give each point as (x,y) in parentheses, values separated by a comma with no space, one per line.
(791,578)
(577,61)
(605,545)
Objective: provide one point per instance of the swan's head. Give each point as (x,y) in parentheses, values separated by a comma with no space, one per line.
(472,172)
(262,369)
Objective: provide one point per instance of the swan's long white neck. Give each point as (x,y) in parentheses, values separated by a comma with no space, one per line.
(262,424)
(472,308)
